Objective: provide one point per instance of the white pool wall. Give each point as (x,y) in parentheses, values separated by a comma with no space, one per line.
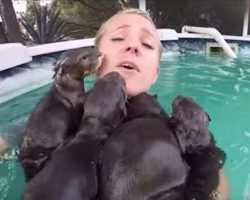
(14,54)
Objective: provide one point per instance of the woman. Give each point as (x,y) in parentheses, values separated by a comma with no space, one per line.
(131,47)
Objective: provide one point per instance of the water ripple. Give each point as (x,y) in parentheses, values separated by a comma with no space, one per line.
(247,134)
(6,178)
(244,149)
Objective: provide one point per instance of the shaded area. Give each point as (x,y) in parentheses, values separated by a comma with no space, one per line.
(82,18)
(224,15)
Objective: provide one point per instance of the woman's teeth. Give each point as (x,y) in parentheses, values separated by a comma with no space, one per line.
(127,66)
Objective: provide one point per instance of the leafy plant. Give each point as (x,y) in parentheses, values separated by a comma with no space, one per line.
(46,25)
(86,16)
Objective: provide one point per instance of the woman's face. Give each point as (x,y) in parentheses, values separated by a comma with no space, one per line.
(130,46)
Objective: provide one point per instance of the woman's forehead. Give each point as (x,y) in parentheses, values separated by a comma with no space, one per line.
(132,22)
(127,21)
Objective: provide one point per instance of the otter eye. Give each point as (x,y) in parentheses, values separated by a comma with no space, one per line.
(84,57)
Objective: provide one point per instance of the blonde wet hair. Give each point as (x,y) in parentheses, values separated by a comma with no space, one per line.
(134,11)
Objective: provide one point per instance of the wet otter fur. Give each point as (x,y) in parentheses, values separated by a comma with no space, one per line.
(190,124)
(72,171)
(141,160)
(57,115)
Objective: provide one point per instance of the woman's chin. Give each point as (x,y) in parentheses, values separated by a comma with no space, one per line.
(132,91)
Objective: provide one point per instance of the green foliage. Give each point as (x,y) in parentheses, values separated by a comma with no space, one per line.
(86,16)
(30,10)
(43,25)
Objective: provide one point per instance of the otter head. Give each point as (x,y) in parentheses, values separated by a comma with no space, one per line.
(188,112)
(107,100)
(78,63)
(190,123)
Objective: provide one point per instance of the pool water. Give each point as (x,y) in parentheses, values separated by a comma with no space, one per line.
(220,85)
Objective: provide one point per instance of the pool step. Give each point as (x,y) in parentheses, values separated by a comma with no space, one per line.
(214,47)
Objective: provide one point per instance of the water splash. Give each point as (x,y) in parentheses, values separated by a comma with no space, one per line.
(244,51)
(24,78)
(244,149)
(239,164)
(9,155)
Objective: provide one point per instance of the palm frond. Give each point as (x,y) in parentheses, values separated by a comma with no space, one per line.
(47,26)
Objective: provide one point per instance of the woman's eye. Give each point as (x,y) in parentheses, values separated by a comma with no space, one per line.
(147,45)
(117,39)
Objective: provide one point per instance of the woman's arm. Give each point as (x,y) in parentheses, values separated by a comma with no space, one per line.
(223,189)
(3,146)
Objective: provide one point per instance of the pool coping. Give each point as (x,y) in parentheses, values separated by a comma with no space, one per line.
(24,54)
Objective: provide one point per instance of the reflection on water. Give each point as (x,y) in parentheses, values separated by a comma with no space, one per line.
(9,174)
(6,179)
(246,193)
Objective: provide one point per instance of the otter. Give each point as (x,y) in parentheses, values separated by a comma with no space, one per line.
(57,115)
(72,171)
(142,159)
(190,123)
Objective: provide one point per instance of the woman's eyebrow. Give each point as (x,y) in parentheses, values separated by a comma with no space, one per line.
(122,27)
(149,34)
(145,30)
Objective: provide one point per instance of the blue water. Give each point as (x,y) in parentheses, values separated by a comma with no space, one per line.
(220,85)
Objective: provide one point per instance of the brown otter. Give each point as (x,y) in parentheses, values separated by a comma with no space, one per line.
(190,124)
(72,171)
(59,112)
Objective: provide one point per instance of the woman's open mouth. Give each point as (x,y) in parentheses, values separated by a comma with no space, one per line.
(129,66)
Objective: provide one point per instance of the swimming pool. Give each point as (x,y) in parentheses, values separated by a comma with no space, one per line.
(219,84)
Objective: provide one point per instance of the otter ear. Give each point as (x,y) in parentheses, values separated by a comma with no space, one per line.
(209,118)
(155,96)
(58,72)
(58,69)
(55,69)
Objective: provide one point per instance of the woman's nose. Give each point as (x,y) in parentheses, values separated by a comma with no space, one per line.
(133,48)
